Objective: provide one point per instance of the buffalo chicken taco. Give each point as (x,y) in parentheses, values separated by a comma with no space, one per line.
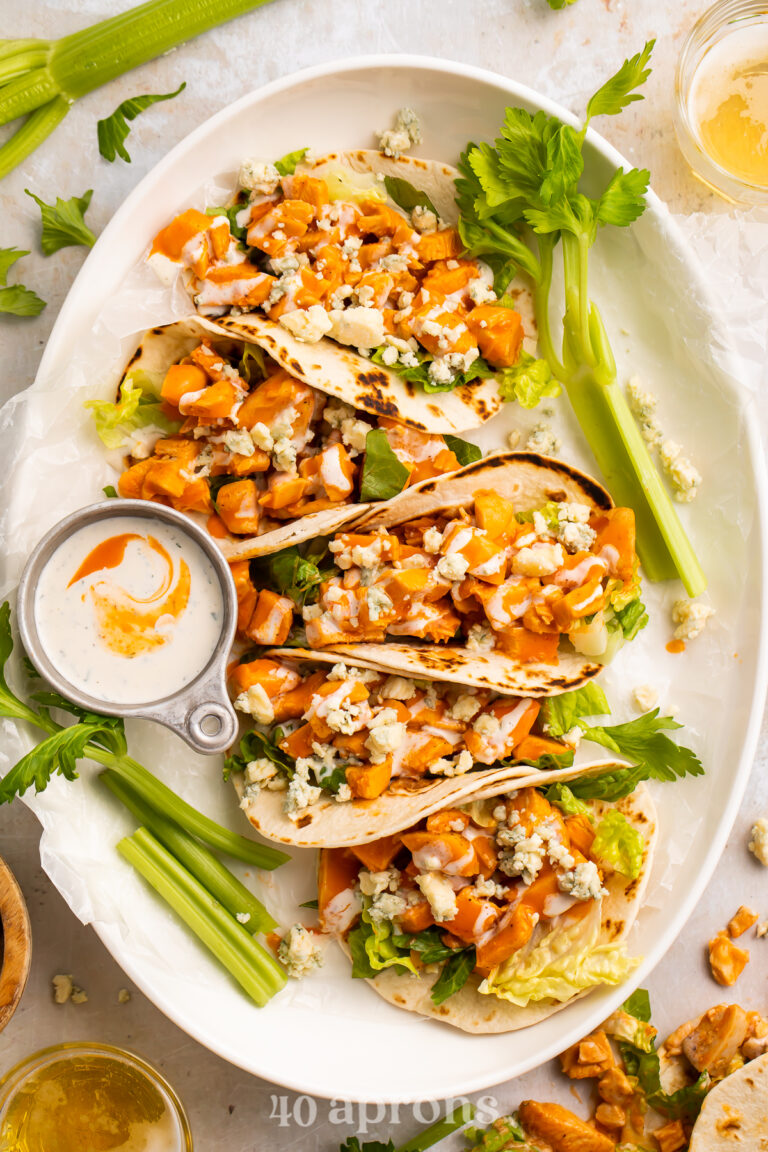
(350,267)
(341,754)
(213,426)
(515,573)
(492,913)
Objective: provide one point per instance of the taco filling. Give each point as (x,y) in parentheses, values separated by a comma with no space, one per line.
(333,255)
(486,578)
(505,893)
(354,733)
(246,443)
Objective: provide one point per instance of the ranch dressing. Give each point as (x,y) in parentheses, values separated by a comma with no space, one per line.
(129,610)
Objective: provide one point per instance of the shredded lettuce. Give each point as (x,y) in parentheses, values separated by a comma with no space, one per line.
(137,407)
(561,796)
(618,845)
(373,948)
(565,961)
(528,381)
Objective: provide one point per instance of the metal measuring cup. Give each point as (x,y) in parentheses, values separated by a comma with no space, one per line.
(200,712)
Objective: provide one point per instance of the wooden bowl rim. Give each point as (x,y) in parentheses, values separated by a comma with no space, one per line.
(17,944)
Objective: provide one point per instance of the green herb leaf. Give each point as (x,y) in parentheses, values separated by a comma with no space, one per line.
(619,91)
(639,1005)
(294,572)
(529,381)
(643,741)
(20,301)
(631,619)
(429,944)
(618,845)
(8,257)
(309,904)
(58,753)
(64,223)
(383,474)
(560,713)
(288,164)
(464,451)
(455,973)
(406,196)
(254,745)
(561,796)
(110,491)
(624,199)
(231,212)
(113,131)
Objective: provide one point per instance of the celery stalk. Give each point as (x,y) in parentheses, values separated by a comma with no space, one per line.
(34,74)
(196,858)
(245,959)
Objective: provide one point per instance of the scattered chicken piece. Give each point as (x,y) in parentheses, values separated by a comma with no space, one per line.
(726,960)
(716,1039)
(564,1131)
(592,1056)
(743,919)
(671,1137)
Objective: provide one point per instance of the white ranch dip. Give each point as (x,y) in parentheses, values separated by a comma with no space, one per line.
(129,610)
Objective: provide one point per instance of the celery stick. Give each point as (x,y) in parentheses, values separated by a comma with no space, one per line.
(436,1132)
(244,958)
(164,800)
(198,859)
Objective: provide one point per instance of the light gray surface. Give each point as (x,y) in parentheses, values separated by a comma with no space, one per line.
(520,38)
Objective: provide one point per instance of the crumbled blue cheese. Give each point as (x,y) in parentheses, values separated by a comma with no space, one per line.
(379,603)
(398,688)
(406,132)
(359,326)
(643,405)
(486,724)
(481,292)
(255,702)
(341,671)
(300,794)
(432,540)
(284,454)
(440,371)
(573,737)
(645,697)
(522,855)
(387,906)
(480,638)
(464,707)
(453,566)
(347,719)
(439,894)
(573,530)
(758,844)
(423,219)
(299,952)
(459,765)
(259,176)
(374,883)
(261,437)
(308,324)
(259,771)
(543,440)
(342,794)
(540,559)
(385,735)
(582,882)
(691,618)
(354,433)
(685,478)
(239,441)
(140,442)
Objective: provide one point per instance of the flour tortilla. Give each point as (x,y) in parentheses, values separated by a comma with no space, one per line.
(734,1115)
(528,481)
(472,1011)
(343,372)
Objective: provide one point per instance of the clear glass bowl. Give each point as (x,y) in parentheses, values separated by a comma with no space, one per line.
(715,25)
(53,1102)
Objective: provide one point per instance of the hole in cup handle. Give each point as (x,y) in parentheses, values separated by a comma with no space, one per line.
(210,727)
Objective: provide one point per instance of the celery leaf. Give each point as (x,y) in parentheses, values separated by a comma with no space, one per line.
(113,130)
(64,223)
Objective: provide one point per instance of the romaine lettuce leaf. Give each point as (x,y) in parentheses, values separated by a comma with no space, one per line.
(565,961)
(373,948)
(618,845)
(138,406)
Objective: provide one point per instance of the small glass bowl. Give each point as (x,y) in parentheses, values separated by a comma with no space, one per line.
(718,22)
(19,1080)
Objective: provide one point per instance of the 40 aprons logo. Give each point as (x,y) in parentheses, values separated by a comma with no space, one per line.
(361,1119)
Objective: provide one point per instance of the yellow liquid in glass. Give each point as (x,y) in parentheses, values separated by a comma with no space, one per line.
(729,104)
(89,1103)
